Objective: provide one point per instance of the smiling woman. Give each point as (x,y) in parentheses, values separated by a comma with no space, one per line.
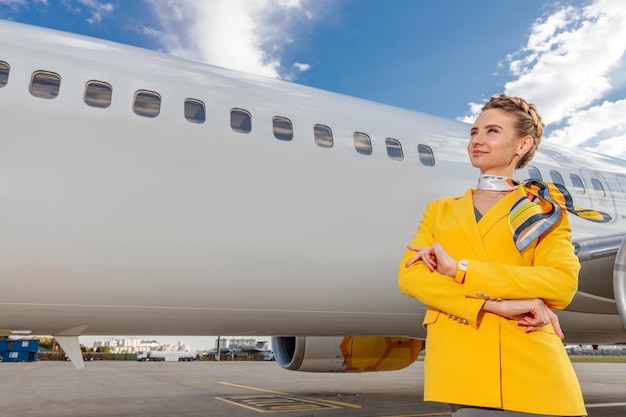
(491,291)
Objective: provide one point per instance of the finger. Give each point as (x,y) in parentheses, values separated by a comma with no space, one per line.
(530,329)
(430,263)
(528,323)
(427,261)
(554,319)
(532,321)
(413,260)
(419,256)
(415,248)
(559,333)
(541,316)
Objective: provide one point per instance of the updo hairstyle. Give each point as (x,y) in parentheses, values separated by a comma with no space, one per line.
(527,121)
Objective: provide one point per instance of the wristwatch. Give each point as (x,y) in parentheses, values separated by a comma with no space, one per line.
(461,268)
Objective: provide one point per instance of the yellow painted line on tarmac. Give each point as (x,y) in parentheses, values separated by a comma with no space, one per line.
(272,403)
(237,404)
(230,384)
(337,403)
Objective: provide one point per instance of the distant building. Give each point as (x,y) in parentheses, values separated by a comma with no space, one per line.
(134,345)
(239,344)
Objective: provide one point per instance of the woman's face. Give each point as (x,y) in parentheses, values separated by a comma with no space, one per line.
(494,147)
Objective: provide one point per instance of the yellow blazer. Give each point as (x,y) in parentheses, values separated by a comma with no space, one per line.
(482,359)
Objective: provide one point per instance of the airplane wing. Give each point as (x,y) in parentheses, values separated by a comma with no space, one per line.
(596,292)
(601,296)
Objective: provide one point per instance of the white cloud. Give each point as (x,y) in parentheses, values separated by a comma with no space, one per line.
(474,111)
(246,35)
(572,63)
(294,71)
(17,5)
(97,9)
(617,145)
(565,64)
(13,2)
(594,124)
(301,67)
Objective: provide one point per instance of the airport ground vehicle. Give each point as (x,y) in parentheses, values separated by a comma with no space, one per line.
(156,355)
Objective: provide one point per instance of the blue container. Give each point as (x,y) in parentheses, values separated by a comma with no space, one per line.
(19,350)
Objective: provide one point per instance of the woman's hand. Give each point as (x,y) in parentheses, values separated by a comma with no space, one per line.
(554,319)
(421,255)
(531,313)
(435,257)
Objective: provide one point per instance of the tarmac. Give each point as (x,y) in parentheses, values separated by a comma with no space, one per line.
(237,389)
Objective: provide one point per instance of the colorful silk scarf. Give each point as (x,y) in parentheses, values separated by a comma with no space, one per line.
(538,208)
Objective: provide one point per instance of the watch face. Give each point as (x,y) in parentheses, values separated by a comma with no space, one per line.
(463,265)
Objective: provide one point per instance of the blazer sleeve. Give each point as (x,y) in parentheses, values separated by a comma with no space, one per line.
(432,288)
(552,274)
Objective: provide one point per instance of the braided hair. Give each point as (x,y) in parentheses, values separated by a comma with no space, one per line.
(527,121)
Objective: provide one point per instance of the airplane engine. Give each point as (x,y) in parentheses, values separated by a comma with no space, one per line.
(345,354)
(619,282)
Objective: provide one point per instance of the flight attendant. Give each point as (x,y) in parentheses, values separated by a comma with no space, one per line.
(491,265)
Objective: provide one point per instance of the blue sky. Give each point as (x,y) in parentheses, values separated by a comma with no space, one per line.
(438,57)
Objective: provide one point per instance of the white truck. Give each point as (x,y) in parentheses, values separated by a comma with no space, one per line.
(157,355)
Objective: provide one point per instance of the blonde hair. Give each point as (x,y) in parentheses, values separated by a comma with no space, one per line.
(527,121)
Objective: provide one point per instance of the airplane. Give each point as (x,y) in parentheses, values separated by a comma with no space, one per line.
(145,194)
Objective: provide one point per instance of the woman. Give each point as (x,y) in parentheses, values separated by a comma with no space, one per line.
(490,276)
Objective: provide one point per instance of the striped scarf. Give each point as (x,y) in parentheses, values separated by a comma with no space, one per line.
(538,208)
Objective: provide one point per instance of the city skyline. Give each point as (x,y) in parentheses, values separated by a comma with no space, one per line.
(195,343)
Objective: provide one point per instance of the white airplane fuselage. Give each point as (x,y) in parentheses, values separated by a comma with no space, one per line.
(114,223)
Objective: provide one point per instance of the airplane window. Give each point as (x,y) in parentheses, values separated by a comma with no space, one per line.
(556,177)
(394,149)
(147,103)
(45,84)
(282,128)
(597,186)
(427,157)
(98,94)
(362,143)
(323,136)
(4,73)
(534,174)
(240,121)
(579,187)
(194,111)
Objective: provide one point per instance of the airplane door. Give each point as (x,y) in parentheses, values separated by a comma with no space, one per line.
(599,192)
(577,189)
